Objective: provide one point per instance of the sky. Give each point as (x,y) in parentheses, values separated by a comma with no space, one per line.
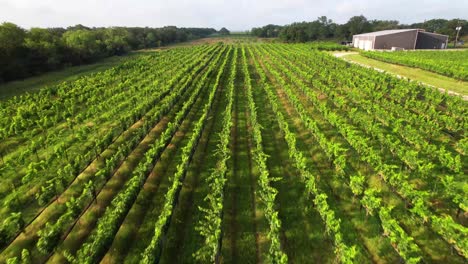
(235,15)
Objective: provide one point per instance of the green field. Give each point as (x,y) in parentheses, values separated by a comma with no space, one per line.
(232,151)
(415,74)
(451,63)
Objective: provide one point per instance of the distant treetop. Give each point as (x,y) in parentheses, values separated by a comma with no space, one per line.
(324,28)
(224,31)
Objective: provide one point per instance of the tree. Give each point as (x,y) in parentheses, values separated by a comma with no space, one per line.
(82,44)
(378,25)
(324,27)
(44,49)
(12,52)
(358,25)
(152,40)
(11,37)
(268,31)
(224,31)
(28,52)
(116,41)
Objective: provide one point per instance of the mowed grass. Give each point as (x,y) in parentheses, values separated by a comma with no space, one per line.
(241,228)
(416,74)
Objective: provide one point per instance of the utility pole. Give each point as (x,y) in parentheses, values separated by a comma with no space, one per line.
(456,38)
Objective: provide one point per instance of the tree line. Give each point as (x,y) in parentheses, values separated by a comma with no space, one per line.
(324,28)
(24,53)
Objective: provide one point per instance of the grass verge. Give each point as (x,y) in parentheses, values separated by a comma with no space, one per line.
(416,74)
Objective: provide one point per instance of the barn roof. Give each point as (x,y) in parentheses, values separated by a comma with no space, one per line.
(386,32)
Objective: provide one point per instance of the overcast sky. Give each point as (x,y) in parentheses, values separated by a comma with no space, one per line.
(235,15)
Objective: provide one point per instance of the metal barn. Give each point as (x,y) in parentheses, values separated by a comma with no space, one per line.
(408,39)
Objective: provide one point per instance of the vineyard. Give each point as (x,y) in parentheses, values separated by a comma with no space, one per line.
(452,64)
(236,153)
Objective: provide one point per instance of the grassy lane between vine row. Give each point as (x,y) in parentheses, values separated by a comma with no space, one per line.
(237,153)
(51,213)
(183,239)
(240,222)
(146,202)
(153,251)
(353,219)
(32,210)
(77,236)
(303,238)
(433,249)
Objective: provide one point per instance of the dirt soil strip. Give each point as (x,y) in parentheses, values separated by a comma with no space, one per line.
(47,212)
(88,219)
(129,228)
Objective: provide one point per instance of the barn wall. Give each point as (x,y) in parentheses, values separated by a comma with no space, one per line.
(361,39)
(431,41)
(404,40)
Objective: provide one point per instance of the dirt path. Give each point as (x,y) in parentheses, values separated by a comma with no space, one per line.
(341,54)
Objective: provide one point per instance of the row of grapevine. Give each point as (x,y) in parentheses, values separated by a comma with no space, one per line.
(379,88)
(406,154)
(429,103)
(123,96)
(55,104)
(345,253)
(49,235)
(68,174)
(210,227)
(267,193)
(109,223)
(404,244)
(150,255)
(406,130)
(335,153)
(370,199)
(81,137)
(452,64)
(398,180)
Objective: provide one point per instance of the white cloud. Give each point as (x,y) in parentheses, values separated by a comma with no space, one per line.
(238,15)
